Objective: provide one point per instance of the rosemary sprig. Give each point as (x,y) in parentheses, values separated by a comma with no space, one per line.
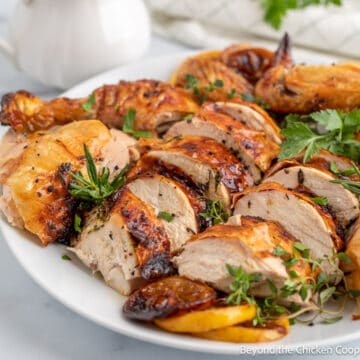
(351,185)
(97,187)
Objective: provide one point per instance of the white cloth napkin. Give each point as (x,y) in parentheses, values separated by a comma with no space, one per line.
(218,23)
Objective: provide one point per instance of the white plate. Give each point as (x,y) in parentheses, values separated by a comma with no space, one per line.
(73,285)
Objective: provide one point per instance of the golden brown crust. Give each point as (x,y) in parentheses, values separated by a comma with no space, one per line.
(39,183)
(249,61)
(207,70)
(153,101)
(153,248)
(168,296)
(203,150)
(303,89)
(254,143)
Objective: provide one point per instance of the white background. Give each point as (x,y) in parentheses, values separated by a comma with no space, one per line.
(33,326)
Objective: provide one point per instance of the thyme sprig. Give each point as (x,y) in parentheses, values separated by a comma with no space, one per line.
(215,212)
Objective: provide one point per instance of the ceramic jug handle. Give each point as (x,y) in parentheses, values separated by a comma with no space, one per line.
(7,49)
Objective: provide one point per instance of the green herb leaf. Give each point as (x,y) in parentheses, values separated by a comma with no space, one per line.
(279,251)
(276,10)
(326,294)
(87,106)
(129,123)
(320,200)
(166,216)
(343,258)
(231,93)
(98,187)
(331,320)
(354,293)
(77,223)
(66,257)
(254,99)
(338,138)
(215,212)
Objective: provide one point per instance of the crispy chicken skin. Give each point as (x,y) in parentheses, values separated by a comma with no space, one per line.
(155,102)
(36,189)
(207,70)
(302,89)
(247,242)
(213,169)
(249,61)
(254,148)
(153,245)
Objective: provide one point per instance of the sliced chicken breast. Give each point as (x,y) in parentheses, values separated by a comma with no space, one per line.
(249,244)
(34,193)
(252,147)
(249,114)
(106,246)
(300,216)
(174,199)
(343,204)
(213,169)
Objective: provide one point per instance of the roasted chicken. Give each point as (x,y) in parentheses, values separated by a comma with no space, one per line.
(200,162)
(302,89)
(300,216)
(249,242)
(199,74)
(316,181)
(157,105)
(35,179)
(254,148)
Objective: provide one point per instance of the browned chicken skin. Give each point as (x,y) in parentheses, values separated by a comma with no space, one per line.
(206,70)
(156,103)
(302,89)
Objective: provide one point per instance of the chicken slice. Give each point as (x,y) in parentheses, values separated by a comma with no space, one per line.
(249,114)
(300,216)
(107,246)
(205,69)
(168,196)
(249,244)
(156,104)
(303,89)
(343,204)
(252,147)
(35,194)
(208,164)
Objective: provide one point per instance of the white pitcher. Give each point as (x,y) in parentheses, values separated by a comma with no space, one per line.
(61,42)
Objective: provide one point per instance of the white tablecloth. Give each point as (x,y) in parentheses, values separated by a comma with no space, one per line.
(33,325)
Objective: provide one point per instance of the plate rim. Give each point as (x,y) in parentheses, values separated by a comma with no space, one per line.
(178,342)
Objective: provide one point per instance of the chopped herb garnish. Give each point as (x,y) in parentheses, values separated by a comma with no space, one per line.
(97,187)
(77,223)
(338,136)
(320,200)
(192,83)
(231,93)
(215,212)
(87,106)
(166,216)
(129,123)
(213,85)
(66,257)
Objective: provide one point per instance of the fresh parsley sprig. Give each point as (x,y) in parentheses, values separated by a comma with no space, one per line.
(129,126)
(338,137)
(97,186)
(276,10)
(215,212)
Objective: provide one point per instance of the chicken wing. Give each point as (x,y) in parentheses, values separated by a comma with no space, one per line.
(156,104)
(302,89)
